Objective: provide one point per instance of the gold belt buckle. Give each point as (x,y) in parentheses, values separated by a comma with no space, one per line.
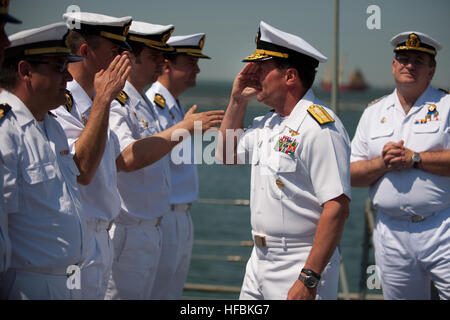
(417,218)
(260,241)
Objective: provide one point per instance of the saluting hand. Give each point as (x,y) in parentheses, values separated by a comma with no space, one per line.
(110,82)
(208,119)
(246,85)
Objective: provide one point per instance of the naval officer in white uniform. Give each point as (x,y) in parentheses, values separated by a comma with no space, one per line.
(5,244)
(401,151)
(300,183)
(98,79)
(179,73)
(144,177)
(46,223)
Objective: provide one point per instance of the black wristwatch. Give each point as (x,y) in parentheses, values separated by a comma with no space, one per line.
(311,280)
(416,159)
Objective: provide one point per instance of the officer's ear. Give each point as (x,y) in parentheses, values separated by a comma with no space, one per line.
(83,50)
(24,70)
(291,76)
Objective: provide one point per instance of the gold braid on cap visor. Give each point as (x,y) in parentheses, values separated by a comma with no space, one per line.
(30,52)
(151,43)
(260,53)
(430,51)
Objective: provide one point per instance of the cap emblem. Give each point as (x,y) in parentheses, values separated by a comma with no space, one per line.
(413,41)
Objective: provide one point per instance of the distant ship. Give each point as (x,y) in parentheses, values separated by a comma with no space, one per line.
(356,81)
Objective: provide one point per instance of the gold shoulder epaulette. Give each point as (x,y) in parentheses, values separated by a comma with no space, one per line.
(446,91)
(122,98)
(69,102)
(319,113)
(375,101)
(160,101)
(4,109)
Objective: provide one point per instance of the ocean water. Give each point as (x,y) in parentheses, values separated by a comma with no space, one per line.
(220,226)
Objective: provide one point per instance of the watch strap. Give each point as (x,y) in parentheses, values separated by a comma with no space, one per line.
(310,273)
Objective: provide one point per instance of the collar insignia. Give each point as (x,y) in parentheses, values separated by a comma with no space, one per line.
(122,98)
(160,101)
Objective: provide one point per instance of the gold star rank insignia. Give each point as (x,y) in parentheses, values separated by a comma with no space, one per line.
(4,109)
(69,102)
(160,101)
(122,98)
(319,113)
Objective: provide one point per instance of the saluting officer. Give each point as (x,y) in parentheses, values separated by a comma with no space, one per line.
(5,244)
(300,184)
(179,73)
(46,223)
(401,151)
(144,179)
(97,80)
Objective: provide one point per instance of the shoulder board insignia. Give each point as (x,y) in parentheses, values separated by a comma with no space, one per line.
(160,101)
(51,114)
(4,109)
(446,91)
(375,101)
(69,102)
(122,98)
(319,113)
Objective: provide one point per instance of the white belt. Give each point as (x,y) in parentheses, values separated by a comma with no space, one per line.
(130,222)
(99,225)
(412,218)
(184,207)
(60,271)
(263,241)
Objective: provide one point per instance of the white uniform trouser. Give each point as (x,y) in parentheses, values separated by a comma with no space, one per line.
(137,250)
(410,254)
(96,269)
(272,271)
(178,236)
(18,284)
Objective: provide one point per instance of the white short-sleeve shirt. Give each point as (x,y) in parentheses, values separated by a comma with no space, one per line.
(426,127)
(42,199)
(5,244)
(184,175)
(145,193)
(100,197)
(297,166)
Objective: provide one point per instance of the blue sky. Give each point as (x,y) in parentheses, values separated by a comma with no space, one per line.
(231,27)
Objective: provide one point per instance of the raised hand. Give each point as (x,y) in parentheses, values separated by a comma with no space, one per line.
(208,119)
(246,85)
(110,82)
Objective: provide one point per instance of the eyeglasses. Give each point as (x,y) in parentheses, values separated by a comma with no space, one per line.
(62,66)
(404,60)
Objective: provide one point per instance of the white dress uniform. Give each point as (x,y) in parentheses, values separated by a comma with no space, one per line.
(177,227)
(101,200)
(408,252)
(297,166)
(46,225)
(5,243)
(145,196)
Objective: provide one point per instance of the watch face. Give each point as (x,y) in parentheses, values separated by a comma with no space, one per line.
(311,282)
(416,157)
